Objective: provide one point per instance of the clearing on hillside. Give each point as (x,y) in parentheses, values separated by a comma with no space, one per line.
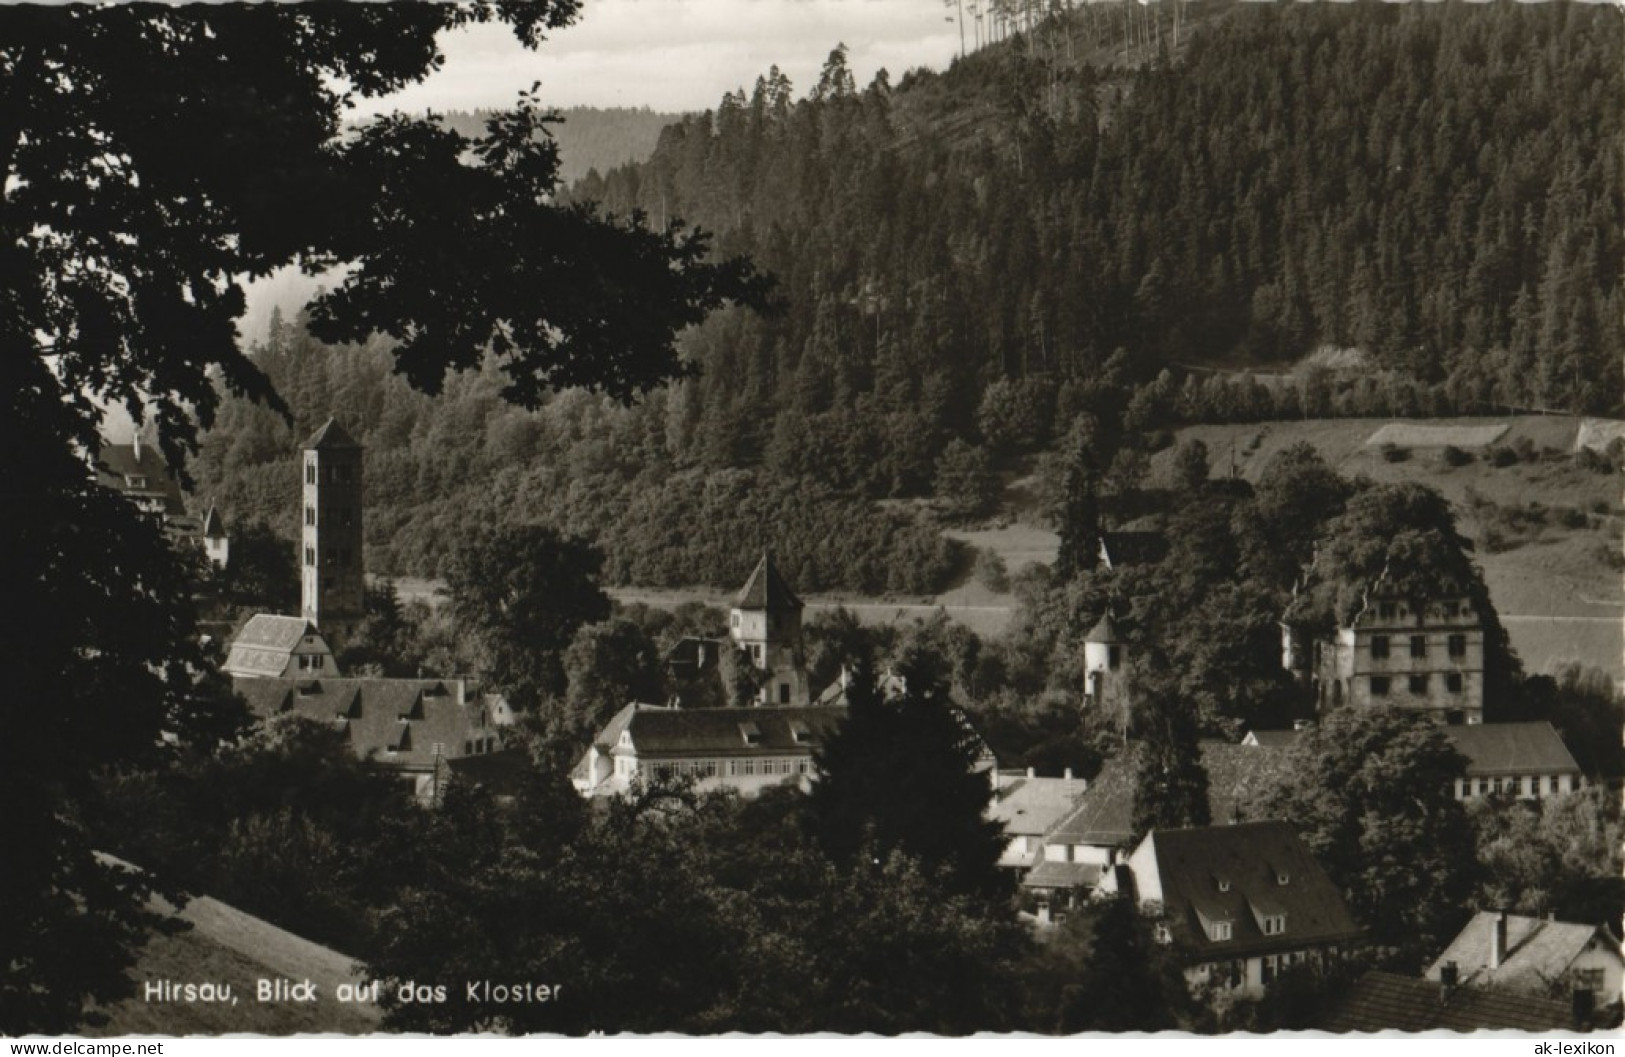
(1417,435)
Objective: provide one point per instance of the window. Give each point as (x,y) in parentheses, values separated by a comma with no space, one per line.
(310,515)
(1162,933)
(1114,657)
(1385,610)
(1282,878)
(1452,682)
(1418,684)
(1219,930)
(751,733)
(1551,783)
(784,693)
(756,652)
(1379,646)
(1379,686)
(1483,787)
(803,764)
(1274,924)
(736,620)
(1419,646)
(1458,645)
(1224,884)
(1509,785)
(747,767)
(1267,971)
(310,472)
(310,556)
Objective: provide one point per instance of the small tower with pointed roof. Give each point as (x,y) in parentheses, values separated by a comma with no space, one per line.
(332,577)
(766,624)
(215,542)
(1104,662)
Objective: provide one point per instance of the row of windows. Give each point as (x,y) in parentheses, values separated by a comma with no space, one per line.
(312,662)
(1417,684)
(340,557)
(719,768)
(1509,786)
(1456,646)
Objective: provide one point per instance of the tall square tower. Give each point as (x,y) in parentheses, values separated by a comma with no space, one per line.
(331,573)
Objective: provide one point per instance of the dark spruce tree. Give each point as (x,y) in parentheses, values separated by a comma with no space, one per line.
(899,775)
(1170,784)
(150,155)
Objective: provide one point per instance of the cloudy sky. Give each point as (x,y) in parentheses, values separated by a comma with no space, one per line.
(675,55)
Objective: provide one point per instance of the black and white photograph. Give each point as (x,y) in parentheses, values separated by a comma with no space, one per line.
(813,517)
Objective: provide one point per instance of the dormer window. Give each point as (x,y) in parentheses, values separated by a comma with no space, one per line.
(800,732)
(626,738)
(1162,933)
(135,480)
(1282,878)
(751,733)
(1219,930)
(1274,924)
(1224,883)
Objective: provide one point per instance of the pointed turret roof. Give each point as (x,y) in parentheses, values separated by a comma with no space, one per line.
(766,588)
(1105,630)
(331,435)
(214,526)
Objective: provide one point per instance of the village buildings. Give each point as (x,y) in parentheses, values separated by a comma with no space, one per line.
(1240,903)
(1534,956)
(1424,655)
(140,473)
(270,646)
(1527,761)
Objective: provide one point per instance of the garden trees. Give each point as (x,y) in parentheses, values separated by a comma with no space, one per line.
(898,775)
(1372,792)
(522,593)
(151,157)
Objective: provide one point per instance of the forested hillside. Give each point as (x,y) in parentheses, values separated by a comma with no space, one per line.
(1435,186)
(1279,211)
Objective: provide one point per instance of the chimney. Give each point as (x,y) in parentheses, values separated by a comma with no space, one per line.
(1032,772)
(1498,940)
(1068,774)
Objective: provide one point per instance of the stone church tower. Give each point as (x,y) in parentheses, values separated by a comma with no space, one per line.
(766,624)
(332,577)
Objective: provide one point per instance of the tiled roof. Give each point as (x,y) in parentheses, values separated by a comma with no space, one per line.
(120,464)
(1233,873)
(1238,778)
(399,722)
(1538,952)
(725,731)
(1132,548)
(766,589)
(1104,815)
(271,632)
(1386,1002)
(690,655)
(331,435)
(1031,806)
(1512,749)
(1063,875)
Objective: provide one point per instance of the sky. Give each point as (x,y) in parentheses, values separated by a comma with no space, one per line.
(680,55)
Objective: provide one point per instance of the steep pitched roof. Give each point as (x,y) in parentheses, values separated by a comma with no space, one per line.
(331,435)
(214,524)
(726,731)
(409,724)
(139,471)
(1386,1002)
(1538,954)
(1104,813)
(1132,548)
(1105,630)
(767,589)
(1234,874)
(1512,749)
